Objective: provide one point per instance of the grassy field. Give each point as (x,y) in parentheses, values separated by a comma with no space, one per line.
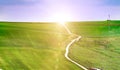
(27,46)
(99,46)
(34,46)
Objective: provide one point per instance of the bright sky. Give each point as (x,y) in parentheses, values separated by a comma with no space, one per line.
(57,10)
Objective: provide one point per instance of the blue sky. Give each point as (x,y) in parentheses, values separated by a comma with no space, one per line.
(58,10)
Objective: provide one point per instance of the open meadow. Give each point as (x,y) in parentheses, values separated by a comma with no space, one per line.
(99,46)
(41,46)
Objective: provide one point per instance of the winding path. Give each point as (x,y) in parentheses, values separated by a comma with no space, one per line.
(67,52)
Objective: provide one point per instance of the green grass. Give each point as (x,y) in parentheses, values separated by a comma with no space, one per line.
(41,46)
(102,53)
(95,28)
(99,46)
(26,46)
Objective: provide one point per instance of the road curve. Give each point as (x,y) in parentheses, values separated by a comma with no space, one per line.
(67,52)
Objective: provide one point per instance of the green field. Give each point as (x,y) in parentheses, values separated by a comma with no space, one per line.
(41,46)
(99,46)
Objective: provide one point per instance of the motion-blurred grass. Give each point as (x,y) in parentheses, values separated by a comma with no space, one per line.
(99,46)
(33,46)
(41,46)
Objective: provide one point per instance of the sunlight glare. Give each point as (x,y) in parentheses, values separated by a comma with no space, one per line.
(61,17)
(61,22)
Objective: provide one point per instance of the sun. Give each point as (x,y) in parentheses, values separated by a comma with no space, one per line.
(61,22)
(61,17)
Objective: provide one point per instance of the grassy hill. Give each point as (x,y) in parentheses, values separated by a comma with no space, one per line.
(99,46)
(33,46)
(95,28)
(41,46)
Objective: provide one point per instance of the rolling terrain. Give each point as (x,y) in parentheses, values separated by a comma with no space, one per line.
(99,46)
(41,46)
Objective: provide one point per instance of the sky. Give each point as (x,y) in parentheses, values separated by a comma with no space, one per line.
(59,10)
